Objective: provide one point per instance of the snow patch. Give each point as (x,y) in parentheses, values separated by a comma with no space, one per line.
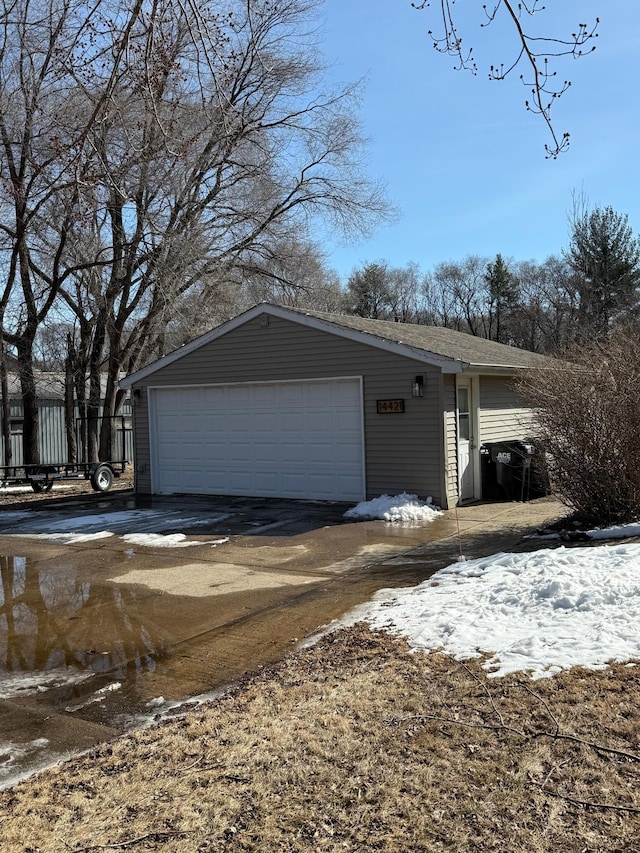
(540,612)
(99,696)
(70,538)
(11,752)
(25,683)
(403,508)
(159,540)
(620,531)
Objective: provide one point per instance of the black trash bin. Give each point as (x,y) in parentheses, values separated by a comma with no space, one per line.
(512,462)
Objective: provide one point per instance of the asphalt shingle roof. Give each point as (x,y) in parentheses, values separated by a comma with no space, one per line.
(448,343)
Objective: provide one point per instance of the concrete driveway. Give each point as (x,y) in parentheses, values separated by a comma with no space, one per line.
(115,611)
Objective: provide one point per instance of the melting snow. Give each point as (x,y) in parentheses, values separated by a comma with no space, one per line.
(11,753)
(143,520)
(404,508)
(621,531)
(539,612)
(160,540)
(71,538)
(14,684)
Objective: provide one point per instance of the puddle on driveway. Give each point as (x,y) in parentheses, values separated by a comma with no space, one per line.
(94,640)
(66,645)
(59,624)
(84,656)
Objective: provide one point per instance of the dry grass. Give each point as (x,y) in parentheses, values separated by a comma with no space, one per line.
(358,745)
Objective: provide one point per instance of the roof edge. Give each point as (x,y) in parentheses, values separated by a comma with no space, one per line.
(447,365)
(192,346)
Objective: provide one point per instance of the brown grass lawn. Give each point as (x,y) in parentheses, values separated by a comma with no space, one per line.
(356,744)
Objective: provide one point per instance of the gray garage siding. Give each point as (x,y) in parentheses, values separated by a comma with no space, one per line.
(281,350)
(502,414)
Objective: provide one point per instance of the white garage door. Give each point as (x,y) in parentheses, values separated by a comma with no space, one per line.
(285,439)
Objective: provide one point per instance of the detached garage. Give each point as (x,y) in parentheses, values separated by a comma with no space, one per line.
(283,402)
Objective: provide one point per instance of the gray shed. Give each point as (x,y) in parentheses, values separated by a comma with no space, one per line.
(285,402)
(50,388)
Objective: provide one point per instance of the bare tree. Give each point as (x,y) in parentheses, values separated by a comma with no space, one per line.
(297,276)
(534,51)
(546,319)
(588,420)
(46,53)
(405,283)
(168,147)
(462,297)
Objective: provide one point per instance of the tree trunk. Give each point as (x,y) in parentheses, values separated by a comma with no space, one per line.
(31,423)
(81,396)
(111,403)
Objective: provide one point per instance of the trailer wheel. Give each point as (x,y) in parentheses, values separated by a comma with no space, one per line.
(102,478)
(41,486)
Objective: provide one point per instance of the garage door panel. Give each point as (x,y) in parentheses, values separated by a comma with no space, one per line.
(238,395)
(291,394)
(239,448)
(294,439)
(293,453)
(189,455)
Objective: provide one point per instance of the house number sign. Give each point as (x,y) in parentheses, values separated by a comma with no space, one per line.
(390,407)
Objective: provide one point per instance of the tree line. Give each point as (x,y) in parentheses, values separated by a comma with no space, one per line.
(571,298)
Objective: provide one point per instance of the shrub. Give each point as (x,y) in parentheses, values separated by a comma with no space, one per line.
(588,418)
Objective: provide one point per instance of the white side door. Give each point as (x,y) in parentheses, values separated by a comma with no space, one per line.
(466,484)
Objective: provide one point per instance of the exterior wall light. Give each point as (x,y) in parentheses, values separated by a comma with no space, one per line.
(417,387)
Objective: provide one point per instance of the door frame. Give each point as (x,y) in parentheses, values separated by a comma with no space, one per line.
(471,382)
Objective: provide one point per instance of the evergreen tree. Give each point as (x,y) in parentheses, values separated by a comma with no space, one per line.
(604,254)
(369,292)
(502,289)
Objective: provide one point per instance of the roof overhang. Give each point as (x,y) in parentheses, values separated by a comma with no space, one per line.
(446,365)
(493,369)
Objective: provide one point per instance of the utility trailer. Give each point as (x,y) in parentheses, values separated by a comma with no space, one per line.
(42,477)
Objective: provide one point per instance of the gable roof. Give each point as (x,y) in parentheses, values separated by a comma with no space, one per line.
(451,351)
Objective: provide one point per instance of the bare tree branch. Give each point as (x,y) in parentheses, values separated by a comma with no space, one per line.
(534,51)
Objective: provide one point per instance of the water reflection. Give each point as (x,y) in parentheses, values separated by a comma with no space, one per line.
(53,618)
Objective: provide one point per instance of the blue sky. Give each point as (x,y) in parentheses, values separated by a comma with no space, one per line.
(461,157)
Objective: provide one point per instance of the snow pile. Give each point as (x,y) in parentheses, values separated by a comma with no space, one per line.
(167,540)
(539,612)
(405,508)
